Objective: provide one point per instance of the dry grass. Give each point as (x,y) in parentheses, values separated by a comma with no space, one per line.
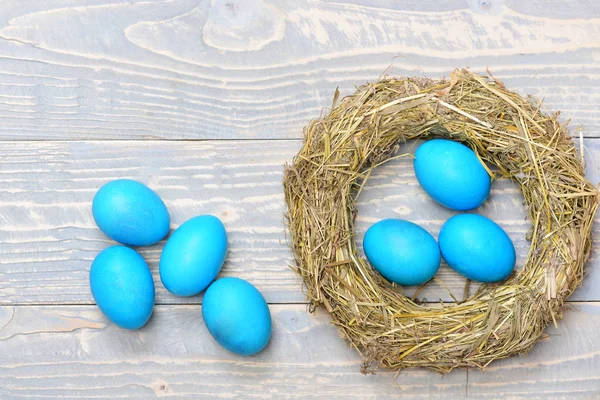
(504,129)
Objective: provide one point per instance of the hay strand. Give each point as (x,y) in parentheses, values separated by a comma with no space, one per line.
(504,129)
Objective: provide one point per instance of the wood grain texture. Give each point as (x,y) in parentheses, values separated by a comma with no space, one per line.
(72,352)
(48,237)
(106,69)
(249,69)
(564,366)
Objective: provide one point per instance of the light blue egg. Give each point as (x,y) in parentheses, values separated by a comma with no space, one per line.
(122,286)
(477,247)
(402,251)
(237,316)
(193,255)
(130,213)
(451,174)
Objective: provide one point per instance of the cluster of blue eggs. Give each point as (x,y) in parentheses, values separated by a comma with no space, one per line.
(234,311)
(472,245)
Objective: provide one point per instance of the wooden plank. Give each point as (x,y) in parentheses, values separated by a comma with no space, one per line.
(48,238)
(176,69)
(564,366)
(72,352)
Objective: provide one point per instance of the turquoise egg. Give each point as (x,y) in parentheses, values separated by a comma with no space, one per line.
(130,213)
(237,316)
(452,174)
(122,286)
(402,251)
(477,247)
(193,255)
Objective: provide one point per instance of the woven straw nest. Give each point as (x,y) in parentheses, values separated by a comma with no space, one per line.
(505,130)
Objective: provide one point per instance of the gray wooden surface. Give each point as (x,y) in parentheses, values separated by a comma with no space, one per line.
(260,69)
(71,350)
(48,238)
(76,75)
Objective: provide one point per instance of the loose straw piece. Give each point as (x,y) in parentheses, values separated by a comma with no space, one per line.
(461,112)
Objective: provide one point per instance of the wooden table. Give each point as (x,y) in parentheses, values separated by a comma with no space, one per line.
(205,102)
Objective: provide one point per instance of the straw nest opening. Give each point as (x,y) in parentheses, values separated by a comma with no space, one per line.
(504,129)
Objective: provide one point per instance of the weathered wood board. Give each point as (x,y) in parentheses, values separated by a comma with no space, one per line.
(107,69)
(72,352)
(563,366)
(48,237)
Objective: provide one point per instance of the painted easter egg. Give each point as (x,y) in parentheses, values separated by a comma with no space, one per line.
(130,213)
(237,316)
(402,251)
(451,174)
(477,248)
(193,255)
(122,286)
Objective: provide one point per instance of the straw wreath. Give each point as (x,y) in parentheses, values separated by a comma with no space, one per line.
(505,130)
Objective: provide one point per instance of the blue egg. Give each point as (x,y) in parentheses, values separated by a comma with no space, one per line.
(477,247)
(193,255)
(452,174)
(130,213)
(401,251)
(237,316)
(122,286)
